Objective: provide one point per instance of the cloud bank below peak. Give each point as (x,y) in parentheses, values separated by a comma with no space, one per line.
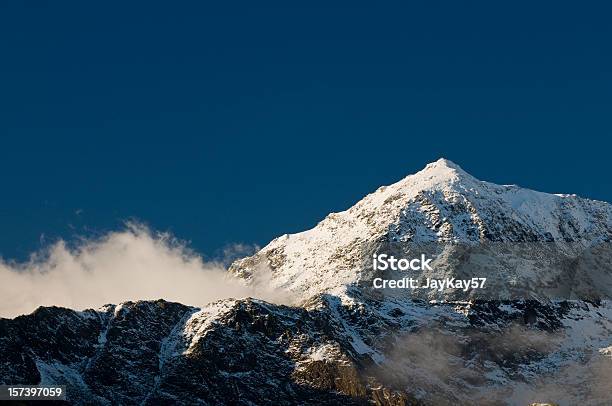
(132,264)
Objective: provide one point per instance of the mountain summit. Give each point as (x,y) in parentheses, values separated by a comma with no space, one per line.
(442,170)
(440,204)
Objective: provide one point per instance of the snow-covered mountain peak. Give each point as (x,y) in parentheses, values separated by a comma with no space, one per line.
(436,175)
(443,167)
(439,204)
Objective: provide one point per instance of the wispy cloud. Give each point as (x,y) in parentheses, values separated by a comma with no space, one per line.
(132,264)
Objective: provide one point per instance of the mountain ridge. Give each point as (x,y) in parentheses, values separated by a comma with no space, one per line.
(339,343)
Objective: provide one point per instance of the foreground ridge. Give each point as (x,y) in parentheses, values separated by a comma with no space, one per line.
(332,351)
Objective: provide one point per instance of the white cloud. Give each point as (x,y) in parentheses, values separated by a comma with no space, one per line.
(133,264)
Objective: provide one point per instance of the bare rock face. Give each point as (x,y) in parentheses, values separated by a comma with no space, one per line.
(341,342)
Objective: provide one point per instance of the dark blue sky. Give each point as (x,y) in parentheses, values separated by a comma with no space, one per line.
(241,123)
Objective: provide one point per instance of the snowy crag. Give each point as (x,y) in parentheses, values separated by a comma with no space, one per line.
(540,333)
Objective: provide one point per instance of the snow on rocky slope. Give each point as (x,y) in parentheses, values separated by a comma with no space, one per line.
(441,204)
(341,343)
